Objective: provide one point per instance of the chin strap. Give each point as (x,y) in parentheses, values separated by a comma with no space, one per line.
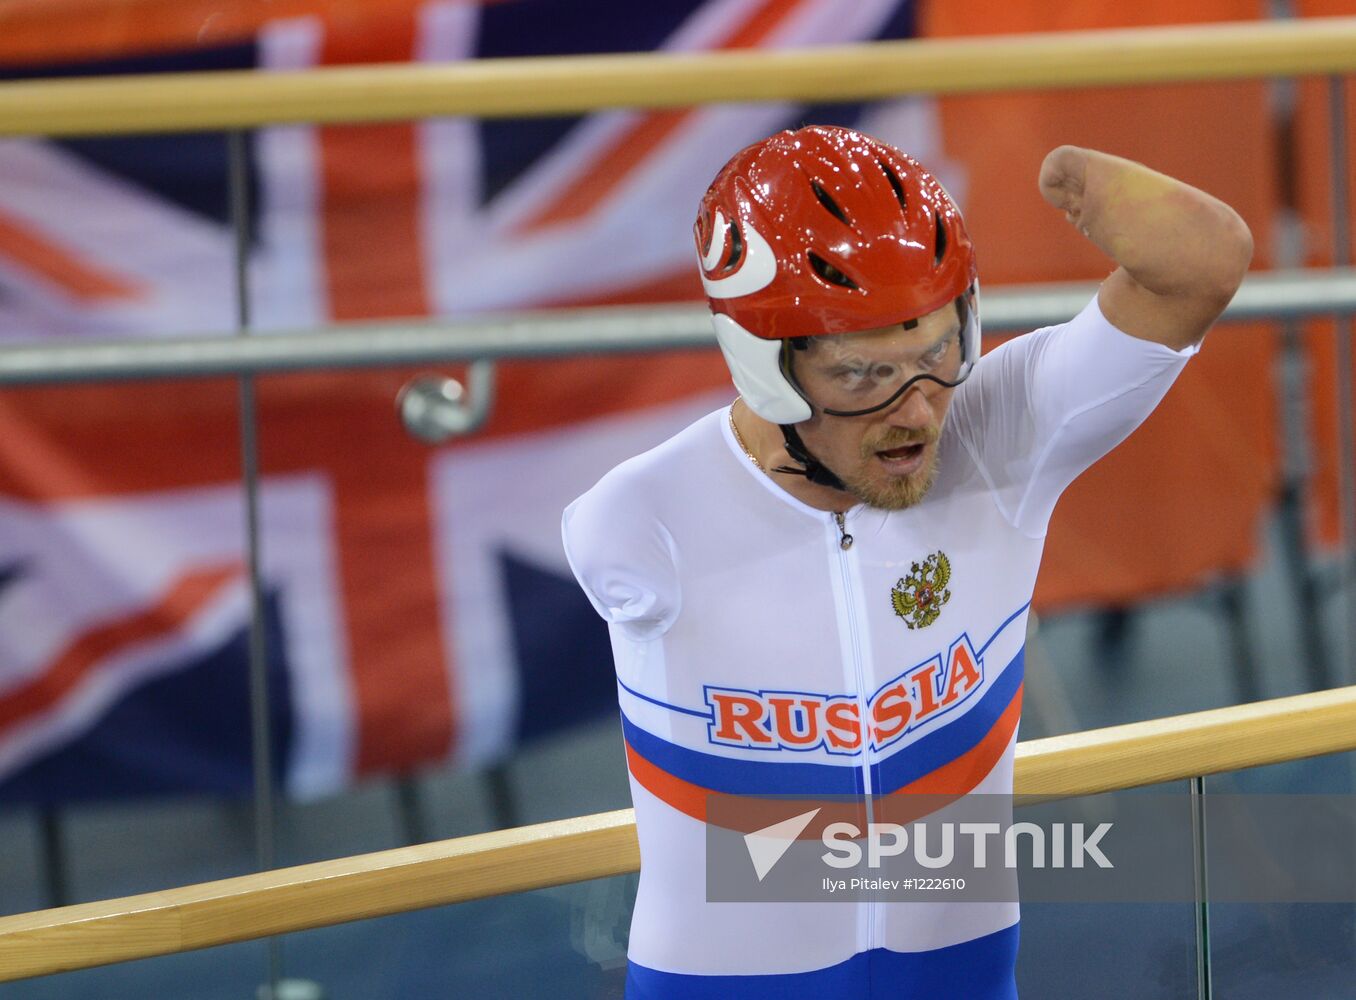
(814,470)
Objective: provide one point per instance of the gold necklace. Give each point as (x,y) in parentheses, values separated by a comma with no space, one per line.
(745,448)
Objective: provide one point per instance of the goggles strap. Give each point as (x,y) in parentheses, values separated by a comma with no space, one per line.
(814,470)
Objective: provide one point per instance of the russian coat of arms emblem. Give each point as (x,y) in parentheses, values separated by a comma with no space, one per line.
(918,597)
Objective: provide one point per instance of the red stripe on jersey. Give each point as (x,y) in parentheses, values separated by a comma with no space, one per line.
(962,775)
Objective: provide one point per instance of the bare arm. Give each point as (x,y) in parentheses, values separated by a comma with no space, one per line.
(1181,252)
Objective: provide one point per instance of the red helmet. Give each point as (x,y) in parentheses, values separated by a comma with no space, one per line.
(822,231)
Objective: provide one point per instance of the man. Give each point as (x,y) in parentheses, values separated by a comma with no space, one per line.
(823,588)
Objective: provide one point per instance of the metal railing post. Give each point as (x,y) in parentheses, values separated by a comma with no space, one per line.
(1204,986)
(260,727)
(1346,408)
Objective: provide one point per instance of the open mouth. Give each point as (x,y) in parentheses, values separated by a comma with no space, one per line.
(904,453)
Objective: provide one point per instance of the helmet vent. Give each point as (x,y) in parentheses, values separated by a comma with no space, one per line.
(736,242)
(827,201)
(940,240)
(830,273)
(893,178)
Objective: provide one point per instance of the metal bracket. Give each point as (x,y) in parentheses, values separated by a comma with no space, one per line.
(434,407)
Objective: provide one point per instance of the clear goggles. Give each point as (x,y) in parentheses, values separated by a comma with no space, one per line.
(845,376)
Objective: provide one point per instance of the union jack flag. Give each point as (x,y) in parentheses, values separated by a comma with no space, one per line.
(419,608)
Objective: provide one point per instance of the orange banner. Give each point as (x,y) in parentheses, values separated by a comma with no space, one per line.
(1181,499)
(56,31)
(1313,191)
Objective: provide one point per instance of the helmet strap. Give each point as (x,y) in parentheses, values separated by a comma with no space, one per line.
(814,470)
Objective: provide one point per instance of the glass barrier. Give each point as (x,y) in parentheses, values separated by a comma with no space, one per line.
(124,611)
(570,941)
(1116,948)
(116,236)
(230,972)
(1289,946)
(567,942)
(26,886)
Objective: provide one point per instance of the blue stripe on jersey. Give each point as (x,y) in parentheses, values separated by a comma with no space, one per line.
(982,969)
(939,748)
(743,777)
(776,777)
(705,713)
(999,631)
(655,701)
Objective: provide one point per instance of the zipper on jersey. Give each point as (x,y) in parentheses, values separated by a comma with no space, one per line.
(849,613)
(844,539)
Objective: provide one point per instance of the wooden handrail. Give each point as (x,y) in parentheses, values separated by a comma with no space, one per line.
(524,87)
(318,894)
(588,847)
(1184,746)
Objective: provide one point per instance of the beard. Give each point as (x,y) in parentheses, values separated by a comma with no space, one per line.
(887,492)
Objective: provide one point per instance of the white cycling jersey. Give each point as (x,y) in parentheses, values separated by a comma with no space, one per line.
(749,644)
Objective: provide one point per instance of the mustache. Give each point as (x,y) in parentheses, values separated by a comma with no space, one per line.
(899,437)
